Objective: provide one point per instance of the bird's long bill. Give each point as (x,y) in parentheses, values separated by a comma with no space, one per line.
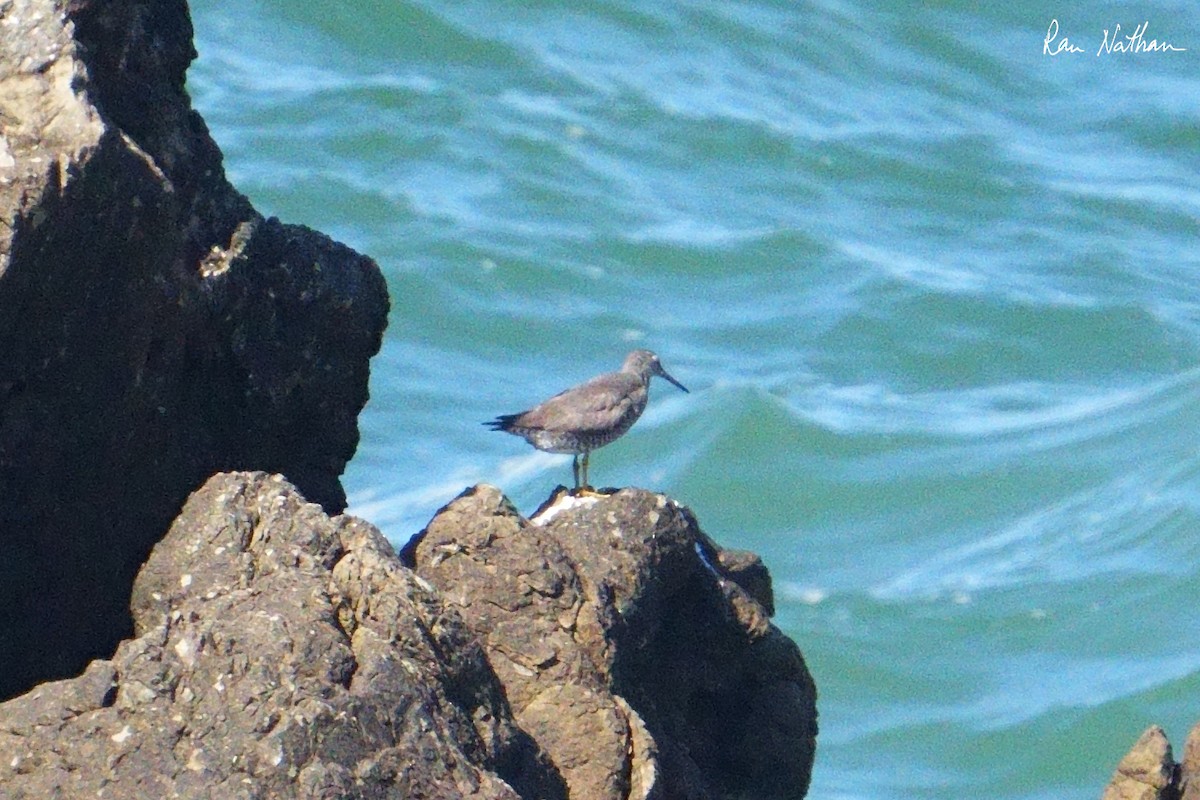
(663,373)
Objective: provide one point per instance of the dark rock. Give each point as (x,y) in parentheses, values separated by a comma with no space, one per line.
(280,654)
(154,329)
(637,663)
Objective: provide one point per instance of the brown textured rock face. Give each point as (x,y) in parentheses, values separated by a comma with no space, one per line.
(280,654)
(639,666)
(1147,772)
(154,329)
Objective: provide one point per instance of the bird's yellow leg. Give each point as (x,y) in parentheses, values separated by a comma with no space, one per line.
(585,490)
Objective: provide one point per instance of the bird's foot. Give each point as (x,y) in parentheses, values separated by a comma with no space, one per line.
(587,491)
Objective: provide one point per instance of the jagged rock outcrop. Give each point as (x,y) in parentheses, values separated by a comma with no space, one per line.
(154,329)
(279,654)
(1149,771)
(626,646)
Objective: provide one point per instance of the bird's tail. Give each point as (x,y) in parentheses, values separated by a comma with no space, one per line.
(502,423)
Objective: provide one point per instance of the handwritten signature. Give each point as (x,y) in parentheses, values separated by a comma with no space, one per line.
(1135,42)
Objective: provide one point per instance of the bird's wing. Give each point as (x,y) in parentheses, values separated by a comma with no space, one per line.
(596,404)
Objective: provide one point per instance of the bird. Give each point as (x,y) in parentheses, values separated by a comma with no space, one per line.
(590,415)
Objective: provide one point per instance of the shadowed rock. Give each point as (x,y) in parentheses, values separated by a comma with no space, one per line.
(637,663)
(154,329)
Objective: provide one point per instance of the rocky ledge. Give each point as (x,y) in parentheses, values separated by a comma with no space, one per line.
(606,648)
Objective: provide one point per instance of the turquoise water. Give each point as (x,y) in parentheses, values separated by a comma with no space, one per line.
(935,294)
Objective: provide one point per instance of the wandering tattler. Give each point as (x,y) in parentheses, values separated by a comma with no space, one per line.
(590,415)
